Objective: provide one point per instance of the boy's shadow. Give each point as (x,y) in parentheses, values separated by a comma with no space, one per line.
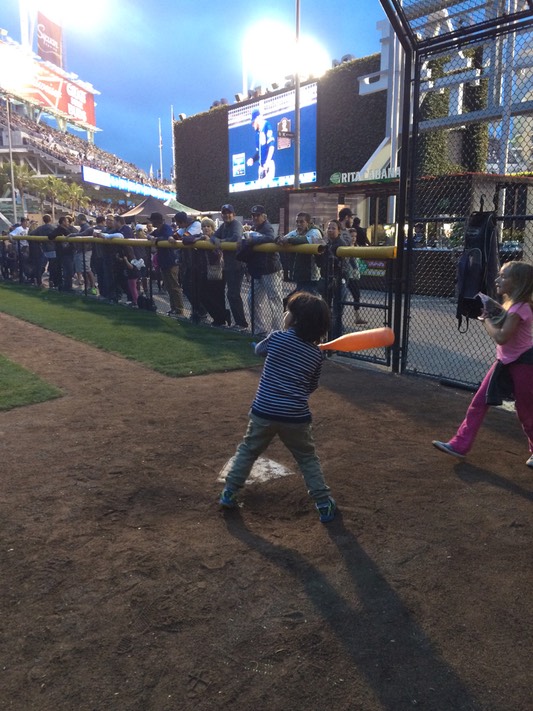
(387,646)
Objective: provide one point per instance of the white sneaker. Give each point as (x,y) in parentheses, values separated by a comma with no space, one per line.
(529,462)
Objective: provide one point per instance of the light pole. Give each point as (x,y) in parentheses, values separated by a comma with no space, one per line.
(160,153)
(13,198)
(297,102)
(173,172)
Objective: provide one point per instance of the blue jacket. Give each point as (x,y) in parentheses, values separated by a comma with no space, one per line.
(165,255)
(230,232)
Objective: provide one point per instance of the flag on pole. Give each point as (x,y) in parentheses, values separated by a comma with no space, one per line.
(49,40)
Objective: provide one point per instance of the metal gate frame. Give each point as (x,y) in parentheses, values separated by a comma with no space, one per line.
(485,21)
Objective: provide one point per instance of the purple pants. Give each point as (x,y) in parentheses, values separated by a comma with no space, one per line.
(522,377)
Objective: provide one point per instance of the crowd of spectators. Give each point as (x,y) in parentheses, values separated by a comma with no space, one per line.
(72,149)
(107,271)
(201,281)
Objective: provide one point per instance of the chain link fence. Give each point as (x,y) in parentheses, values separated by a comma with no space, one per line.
(472,150)
(359,297)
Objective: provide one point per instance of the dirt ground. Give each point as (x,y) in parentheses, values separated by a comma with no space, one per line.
(124,587)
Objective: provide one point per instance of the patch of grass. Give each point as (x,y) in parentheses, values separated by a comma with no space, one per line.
(175,348)
(20,387)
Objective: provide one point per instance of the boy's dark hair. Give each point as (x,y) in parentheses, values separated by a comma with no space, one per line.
(311,316)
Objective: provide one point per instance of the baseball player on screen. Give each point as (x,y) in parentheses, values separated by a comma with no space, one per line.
(265,146)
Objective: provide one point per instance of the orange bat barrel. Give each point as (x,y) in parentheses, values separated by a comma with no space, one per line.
(361,340)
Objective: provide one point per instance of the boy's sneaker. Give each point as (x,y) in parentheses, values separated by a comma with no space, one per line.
(326,510)
(529,462)
(228,499)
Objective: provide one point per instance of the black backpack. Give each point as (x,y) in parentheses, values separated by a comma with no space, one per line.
(478,266)
(146,303)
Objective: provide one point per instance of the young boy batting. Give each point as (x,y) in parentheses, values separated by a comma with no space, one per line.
(290,374)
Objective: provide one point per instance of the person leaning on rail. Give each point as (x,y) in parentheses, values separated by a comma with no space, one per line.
(166,259)
(265,269)
(231,231)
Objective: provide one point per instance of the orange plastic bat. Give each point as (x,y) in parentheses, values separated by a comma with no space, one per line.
(361,340)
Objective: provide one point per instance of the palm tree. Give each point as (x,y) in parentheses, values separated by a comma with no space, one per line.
(75,197)
(54,189)
(40,189)
(24,178)
(4,177)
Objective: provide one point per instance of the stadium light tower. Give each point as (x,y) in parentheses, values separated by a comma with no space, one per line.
(297,102)
(13,196)
(26,32)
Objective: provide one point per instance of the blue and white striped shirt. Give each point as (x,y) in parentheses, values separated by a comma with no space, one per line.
(290,374)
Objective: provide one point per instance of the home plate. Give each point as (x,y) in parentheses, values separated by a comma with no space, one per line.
(262,470)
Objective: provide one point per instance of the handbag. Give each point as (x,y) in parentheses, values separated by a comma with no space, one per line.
(215,265)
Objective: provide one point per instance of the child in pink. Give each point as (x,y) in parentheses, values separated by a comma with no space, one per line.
(512,373)
(132,273)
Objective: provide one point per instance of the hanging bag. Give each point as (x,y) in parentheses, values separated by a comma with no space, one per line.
(478,266)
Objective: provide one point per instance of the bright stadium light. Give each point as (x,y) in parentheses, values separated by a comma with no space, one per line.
(67,12)
(265,66)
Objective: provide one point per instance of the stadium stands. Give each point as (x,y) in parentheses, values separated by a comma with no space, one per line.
(68,148)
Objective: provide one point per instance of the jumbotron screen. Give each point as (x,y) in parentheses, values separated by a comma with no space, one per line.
(262,140)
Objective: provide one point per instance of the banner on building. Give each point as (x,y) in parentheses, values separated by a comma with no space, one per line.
(27,79)
(49,40)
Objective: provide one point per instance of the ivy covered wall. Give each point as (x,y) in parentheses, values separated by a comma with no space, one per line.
(201,159)
(432,145)
(475,146)
(435,156)
(349,128)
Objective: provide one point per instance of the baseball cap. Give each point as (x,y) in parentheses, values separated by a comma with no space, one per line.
(255,114)
(258,210)
(181,217)
(227,208)
(156,217)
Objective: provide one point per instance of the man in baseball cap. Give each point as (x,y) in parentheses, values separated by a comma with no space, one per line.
(231,231)
(266,271)
(181,219)
(167,264)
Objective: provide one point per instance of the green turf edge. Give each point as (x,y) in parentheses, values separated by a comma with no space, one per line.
(174,348)
(20,387)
